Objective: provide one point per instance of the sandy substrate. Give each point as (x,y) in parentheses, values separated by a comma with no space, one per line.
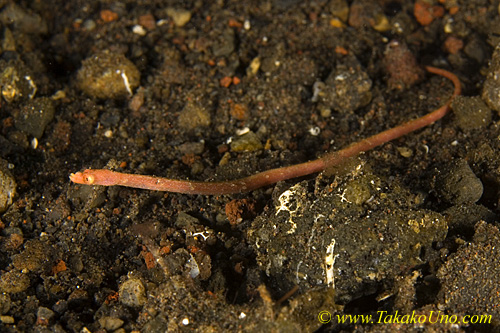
(406,233)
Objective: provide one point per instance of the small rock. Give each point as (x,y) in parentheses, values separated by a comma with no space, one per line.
(78,298)
(110,323)
(270,62)
(401,66)
(405,151)
(246,142)
(108,75)
(147,21)
(34,256)
(471,276)
(60,137)
(453,44)
(464,217)
(194,115)
(133,293)
(108,15)
(89,25)
(458,184)
(16,81)
(7,319)
(225,44)
(44,315)
(14,282)
(180,16)
(195,148)
(60,306)
(425,13)
(7,186)
(339,8)
(25,21)
(186,221)
(475,49)
(239,209)
(9,42)
(239,111)
(346,89)
(34,116)
(110,118)
(177,263)
(471,112)
(17,138)
(13,240)
(358,191)
(92,197)
(9,146)
(491,87)
(157,324)
(5,303)
(199,265)
(254,66)
(364,13)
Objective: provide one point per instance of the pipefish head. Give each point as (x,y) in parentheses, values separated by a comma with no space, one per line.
(86,177)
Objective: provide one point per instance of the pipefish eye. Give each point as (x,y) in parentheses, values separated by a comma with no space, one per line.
(89,179)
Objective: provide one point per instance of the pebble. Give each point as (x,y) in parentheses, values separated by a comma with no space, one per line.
(16,16)
(77,298)
(225,44)
(491,87)
(358,191)
(108,15)
(133,293)
(186,221)
(425,13)
(14,238)
(195,148)
(476,50)
(157,324)
(453,44)
(14,282)
(471,112)
(110,323)
(339,9)
(7,319)
(16,140)
(9,41)
(139,30)
(5,303)
(34,116)
(89,25)
(401,66)
(239,111)
(33,257)
(254,66)
(194,115)
(457,184)
(147,21)
(246,142)
(471,276)
(108,75)
(16,81)
(365,13)
(405,151)
(346,89)
(7,186)
(60,306)
(464,217)
(180,16)
(44,315)
(270,62)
